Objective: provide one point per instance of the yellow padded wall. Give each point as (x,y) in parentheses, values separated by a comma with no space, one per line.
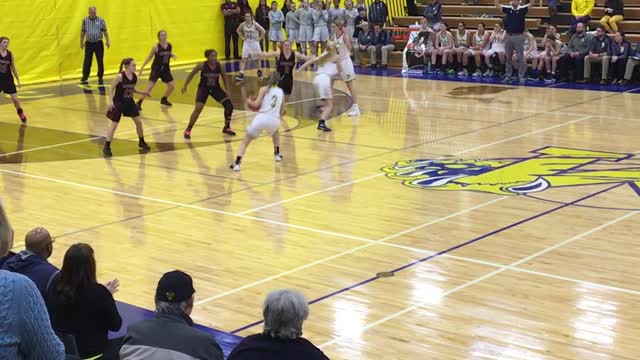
(45,34)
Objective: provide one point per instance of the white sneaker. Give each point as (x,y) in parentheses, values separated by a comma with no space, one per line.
(478,73)
(355,111)
(235,167)
(278,157)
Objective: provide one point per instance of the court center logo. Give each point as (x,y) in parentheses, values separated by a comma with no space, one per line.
(546,168)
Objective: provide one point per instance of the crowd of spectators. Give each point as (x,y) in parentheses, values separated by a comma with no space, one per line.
(66,314)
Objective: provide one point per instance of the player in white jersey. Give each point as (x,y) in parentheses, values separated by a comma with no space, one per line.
(479,46)
(329,65)
(252,34)
(497,48)
(443,47)
(344,48)
(462,41)
(270,106)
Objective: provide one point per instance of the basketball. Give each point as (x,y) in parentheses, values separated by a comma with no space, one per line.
(253,108)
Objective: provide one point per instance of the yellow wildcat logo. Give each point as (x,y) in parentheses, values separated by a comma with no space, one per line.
(549,167)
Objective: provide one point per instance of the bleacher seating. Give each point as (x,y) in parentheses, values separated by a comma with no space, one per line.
(537,19)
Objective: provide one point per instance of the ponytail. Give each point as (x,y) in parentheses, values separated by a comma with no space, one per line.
(124,63)
(274,78)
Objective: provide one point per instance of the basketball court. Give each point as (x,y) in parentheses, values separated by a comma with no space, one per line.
(450,220)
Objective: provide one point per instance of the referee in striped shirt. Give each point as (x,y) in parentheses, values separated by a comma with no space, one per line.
(91,32)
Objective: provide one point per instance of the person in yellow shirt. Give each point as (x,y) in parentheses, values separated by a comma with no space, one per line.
(581,11)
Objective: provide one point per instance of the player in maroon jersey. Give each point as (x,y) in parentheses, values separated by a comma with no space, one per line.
(162,53)
(210,73)
(285,66)
(122,103)
(7,73)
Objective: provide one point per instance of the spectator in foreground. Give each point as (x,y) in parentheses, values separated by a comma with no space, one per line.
(581,11)
(620,50)
(170,333)
(25,330)
(284,312)
(380,44)
(32,262)
(577,49)
(433,14)
(634,59)
(613,14)
(80,306)
(599,52)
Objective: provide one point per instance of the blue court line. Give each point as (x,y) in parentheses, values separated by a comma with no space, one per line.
(440,253)
(132,314)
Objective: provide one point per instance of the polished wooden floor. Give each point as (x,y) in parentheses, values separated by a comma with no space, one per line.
(467,270)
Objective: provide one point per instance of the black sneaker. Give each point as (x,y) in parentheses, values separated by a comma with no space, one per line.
(260,75)
(372,66)
(164,101)
(106,150)
(240,77)
(228,131)
(143,145)
(323,127)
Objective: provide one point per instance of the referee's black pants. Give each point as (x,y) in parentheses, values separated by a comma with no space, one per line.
(91,48)
(231,32)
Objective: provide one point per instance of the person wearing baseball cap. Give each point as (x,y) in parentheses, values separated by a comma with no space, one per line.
(170,333)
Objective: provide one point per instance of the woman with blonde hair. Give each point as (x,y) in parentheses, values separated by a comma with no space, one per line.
(329,65)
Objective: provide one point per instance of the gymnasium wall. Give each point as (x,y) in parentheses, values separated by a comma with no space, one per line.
(45,34)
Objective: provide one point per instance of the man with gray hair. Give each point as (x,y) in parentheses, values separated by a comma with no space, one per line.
(284,312)
(32,262)
(170,334)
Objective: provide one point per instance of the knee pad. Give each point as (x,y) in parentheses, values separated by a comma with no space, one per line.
(228,108)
